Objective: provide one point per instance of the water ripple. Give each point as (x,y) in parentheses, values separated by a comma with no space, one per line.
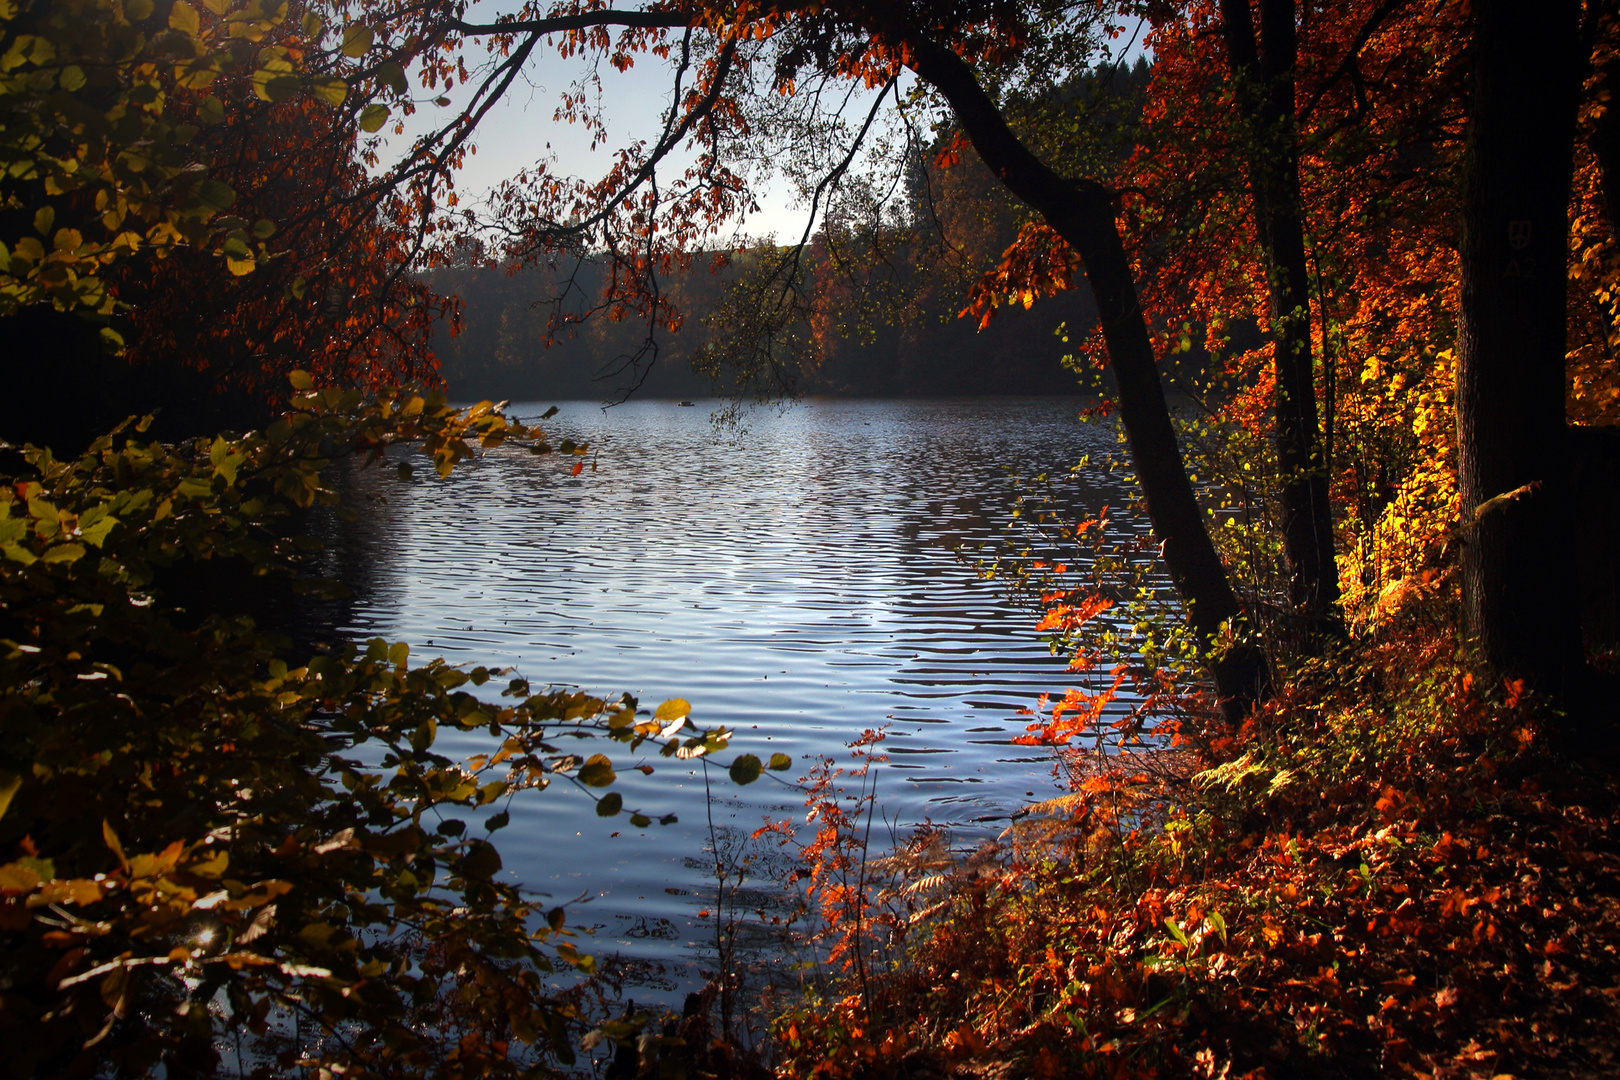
(797,584)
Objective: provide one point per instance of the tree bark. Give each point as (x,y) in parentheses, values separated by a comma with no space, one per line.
(1264,74)
(1517,593)
(1082,213)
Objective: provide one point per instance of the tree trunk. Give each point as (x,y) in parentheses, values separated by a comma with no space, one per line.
(1264,73)
(1517,592)
(1082,213)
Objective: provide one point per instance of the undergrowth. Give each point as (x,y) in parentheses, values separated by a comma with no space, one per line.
(1389,871)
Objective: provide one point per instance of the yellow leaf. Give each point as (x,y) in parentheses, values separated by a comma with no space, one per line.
(183,17)
(212,866)
(357,40)
(10,783)
(74,891)
(111,839)
(16,877)
(673,709)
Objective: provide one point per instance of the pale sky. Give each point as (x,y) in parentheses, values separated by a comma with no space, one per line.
(521,130)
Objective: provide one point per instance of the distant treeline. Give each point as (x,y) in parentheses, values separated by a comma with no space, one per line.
(501,351)
(875,311)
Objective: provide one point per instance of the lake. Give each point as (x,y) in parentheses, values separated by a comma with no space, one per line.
(797,582)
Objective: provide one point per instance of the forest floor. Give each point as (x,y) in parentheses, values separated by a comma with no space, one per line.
(1393,870)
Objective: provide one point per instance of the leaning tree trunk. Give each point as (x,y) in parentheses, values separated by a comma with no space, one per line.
(1264,73)
(1517,589)
(1082,213)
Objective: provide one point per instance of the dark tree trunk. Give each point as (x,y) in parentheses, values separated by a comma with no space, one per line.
(1517,589)
(1082,213)
(1264,73)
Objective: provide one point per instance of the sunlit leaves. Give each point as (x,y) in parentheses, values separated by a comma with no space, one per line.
(116,126)
(672,716)
(673,709)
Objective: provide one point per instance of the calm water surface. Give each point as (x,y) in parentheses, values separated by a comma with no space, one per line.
(797,583)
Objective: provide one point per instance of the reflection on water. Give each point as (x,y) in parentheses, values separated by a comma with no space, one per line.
(798,585)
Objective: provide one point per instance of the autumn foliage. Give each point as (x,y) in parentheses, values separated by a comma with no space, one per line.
(1389,868)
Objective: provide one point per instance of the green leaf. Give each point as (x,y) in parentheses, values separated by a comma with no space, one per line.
(780,762)
(211,111)
(136,10)
(399,653)
(72,78)
(283,87)
(373,117)
(312,25)
(44,218)
(609,804)
(597,771)
(301,380)
(423,736)
(640,821)
(745,770)
(357,40)
(215,195)
(404,470)
(497,821)
(63,553)
(95,534)
(18,553)
(330,89)
(392,76)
